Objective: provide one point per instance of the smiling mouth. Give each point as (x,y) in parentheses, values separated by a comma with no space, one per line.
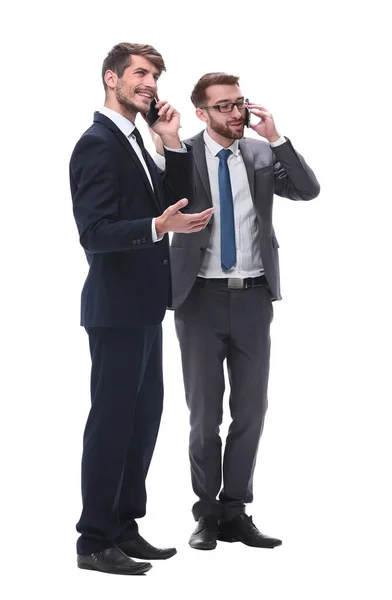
(145,95)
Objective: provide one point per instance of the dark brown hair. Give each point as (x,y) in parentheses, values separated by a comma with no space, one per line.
(198,96)
(119,58)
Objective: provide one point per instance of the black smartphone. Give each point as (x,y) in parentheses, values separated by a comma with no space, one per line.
(152,115)
(247,117)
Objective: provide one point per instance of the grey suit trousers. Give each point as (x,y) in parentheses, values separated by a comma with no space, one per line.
(213,324)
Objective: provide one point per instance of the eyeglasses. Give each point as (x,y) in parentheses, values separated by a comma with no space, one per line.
(229,106)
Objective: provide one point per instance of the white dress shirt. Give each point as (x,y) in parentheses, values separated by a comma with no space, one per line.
(127,127)
(249,263)
(247,244)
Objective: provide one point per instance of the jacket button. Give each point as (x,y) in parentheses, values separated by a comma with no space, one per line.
(165,262)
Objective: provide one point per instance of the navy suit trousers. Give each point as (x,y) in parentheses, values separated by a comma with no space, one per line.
(120,433)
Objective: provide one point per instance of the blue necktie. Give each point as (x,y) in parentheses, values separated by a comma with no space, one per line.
(228,252)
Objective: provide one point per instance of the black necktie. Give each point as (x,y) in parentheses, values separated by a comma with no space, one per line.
(139,140)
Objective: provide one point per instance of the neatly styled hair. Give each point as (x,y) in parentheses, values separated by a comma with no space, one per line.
(199,96)
(119,58)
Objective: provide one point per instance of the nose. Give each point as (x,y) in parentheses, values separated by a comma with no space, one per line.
(236,113)
(150,81)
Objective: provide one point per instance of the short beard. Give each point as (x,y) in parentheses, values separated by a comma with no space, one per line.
(123,100)
(225,131)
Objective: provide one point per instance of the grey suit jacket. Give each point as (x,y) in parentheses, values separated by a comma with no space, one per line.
(280,170)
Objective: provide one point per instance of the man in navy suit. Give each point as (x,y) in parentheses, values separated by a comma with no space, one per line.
(124,206)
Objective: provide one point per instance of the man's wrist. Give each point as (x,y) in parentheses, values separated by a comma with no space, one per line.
(159,226)
(171,141)
(274,138)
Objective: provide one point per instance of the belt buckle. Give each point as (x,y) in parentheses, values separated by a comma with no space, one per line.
(235,283)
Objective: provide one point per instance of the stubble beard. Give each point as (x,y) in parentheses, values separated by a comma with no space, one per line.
(123,99)
(226,131)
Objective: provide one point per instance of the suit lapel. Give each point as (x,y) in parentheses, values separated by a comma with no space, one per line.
(199,157)
(247,155)
(126,144)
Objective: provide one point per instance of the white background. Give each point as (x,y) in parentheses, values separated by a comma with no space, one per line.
(322,481)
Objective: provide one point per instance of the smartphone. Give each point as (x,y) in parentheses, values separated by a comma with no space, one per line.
(152,115)
(247,117)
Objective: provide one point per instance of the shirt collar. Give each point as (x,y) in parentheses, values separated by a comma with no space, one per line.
(122,123)
(214,147)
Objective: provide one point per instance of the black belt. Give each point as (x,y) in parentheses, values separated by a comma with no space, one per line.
(235,282)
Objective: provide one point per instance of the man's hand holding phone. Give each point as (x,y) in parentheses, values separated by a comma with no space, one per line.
(164,120)
(266,126)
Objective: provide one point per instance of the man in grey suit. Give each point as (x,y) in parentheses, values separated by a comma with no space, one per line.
(224,281)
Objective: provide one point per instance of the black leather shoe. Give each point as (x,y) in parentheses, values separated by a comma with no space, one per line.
(140,548)
(242,529)
(204,536)
(112,560)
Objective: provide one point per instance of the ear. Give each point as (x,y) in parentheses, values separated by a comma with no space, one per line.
(202,115)
(111,79)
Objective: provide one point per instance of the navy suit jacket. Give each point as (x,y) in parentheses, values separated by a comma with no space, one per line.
(128,283)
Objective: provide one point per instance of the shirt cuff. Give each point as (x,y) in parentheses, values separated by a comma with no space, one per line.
(182,149)
(278,142)
(154,235)
(159,160)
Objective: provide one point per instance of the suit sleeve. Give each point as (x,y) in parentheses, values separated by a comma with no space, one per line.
(96,197)
(177,178)
(293,178)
